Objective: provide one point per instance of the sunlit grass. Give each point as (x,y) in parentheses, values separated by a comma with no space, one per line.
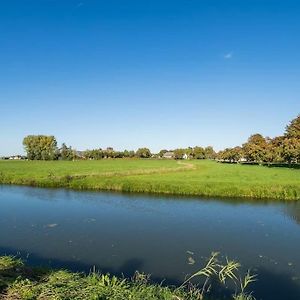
(27,283)
(196,177)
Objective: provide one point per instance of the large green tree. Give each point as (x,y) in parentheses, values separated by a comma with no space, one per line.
(198,153)
(293,129)
(143,153)
(66,153)
(231,154)
(209,152)
(40,147)
(255,148)
(291,150)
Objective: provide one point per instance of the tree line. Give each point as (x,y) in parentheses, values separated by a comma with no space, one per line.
(257,149)
(42,147)
(260,149)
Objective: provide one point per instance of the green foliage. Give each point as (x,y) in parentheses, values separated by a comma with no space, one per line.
(209,152)
(231,154)
(291,150)
(143,153)
(198,153)
(293,129)
(195,153)
(179,153)
(66,153)
(255,149)
(40,147)
(9,262)
(97,154)
(281,149)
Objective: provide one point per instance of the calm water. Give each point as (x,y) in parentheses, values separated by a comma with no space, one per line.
(122,233)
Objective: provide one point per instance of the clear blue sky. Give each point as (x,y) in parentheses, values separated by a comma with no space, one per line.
(159,73)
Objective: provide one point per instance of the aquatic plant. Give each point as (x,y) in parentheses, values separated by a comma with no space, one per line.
(223,271)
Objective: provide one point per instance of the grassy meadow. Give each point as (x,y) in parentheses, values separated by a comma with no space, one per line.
(190,177)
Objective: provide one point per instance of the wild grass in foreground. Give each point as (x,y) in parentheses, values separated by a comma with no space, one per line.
(23,283)
(192,177)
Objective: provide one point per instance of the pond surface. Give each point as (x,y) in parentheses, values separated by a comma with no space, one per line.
(168,237)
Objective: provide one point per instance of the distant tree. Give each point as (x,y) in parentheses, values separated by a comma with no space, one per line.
(94,154)
(131,154)
(143,153)
(66,153)
(126,153)
(231,154)
(179,153)
(40,147)
(209,152)
(198,153)
(255,148)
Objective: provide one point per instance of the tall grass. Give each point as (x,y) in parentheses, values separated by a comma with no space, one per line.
(19,282)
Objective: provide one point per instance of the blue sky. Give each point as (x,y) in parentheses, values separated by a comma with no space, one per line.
(161,74)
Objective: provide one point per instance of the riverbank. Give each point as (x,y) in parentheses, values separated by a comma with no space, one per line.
(18,281)
(189,178)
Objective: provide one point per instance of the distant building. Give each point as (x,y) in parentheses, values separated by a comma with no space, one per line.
(169,155)
(80,154)
(185,156)
(16,157)
(243,159)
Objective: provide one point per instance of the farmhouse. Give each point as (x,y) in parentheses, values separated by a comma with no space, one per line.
(169,155)
(15,157)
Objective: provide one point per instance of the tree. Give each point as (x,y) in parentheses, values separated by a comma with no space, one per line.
(291,143)
(293,129)
(40,147)
(94,154)
(178,153)
(143,153)
(255,148)
(274,151)
(209,152)
(66,153)
(198,153)
(291,150)
(231,154)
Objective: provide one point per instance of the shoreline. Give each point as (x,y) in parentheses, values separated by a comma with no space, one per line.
(201,179)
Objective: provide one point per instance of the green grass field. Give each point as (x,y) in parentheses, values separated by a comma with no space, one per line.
(193,177)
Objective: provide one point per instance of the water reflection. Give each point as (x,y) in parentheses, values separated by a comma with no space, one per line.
(293,211)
